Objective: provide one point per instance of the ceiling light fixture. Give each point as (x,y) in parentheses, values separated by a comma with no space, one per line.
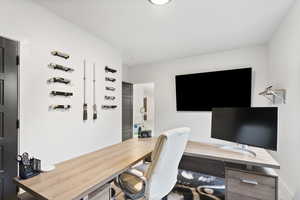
(160,2)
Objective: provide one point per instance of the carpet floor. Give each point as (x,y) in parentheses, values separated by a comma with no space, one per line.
(196,186)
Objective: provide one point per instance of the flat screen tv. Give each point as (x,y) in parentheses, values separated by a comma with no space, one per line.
(204,91)
(249,126)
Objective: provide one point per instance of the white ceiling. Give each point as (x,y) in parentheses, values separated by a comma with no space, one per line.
(145,33)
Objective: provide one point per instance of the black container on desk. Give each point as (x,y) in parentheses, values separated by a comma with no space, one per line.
(28,170)
(145,134)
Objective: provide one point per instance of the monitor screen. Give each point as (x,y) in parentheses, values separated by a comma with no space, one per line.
(204,91)
(250,126)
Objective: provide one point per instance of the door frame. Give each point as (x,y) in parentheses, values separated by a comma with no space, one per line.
(18,63)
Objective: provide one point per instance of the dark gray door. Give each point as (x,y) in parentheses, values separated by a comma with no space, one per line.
(8,117)
(127,111)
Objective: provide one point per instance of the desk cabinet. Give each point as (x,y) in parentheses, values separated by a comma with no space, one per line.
(26,196)
(250,185)
(102,193)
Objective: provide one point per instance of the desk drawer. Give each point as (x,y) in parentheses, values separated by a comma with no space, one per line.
(247,185)
(234,196)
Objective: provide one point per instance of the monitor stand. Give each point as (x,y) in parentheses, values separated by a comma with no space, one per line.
(240,148)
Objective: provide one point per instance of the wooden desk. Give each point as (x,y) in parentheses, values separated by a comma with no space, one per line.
(76,178)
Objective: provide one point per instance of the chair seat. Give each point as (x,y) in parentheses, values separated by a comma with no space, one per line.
(132,185)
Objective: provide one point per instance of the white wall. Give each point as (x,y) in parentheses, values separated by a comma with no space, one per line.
(284,72)
(163,76)
(57,136)
(125,76)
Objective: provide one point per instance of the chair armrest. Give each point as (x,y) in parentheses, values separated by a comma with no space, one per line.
(143,178)
(128,189)
(145,182)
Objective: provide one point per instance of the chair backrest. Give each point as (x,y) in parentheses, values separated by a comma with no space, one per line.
(162,172)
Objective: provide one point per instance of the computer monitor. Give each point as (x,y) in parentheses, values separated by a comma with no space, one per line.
(249,126)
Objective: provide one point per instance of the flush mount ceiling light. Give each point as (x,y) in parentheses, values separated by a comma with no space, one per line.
(159,2)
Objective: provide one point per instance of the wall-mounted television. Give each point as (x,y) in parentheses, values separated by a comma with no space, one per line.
(249,126)
(204,91)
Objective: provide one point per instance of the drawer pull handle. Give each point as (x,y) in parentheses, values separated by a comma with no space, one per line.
(249,182)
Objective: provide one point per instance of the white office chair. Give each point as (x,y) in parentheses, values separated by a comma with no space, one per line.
(161,175)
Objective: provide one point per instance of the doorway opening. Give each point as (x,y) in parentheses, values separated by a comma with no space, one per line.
(143,110)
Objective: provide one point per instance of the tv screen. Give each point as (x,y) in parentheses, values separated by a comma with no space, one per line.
(204,91)
(250,126)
